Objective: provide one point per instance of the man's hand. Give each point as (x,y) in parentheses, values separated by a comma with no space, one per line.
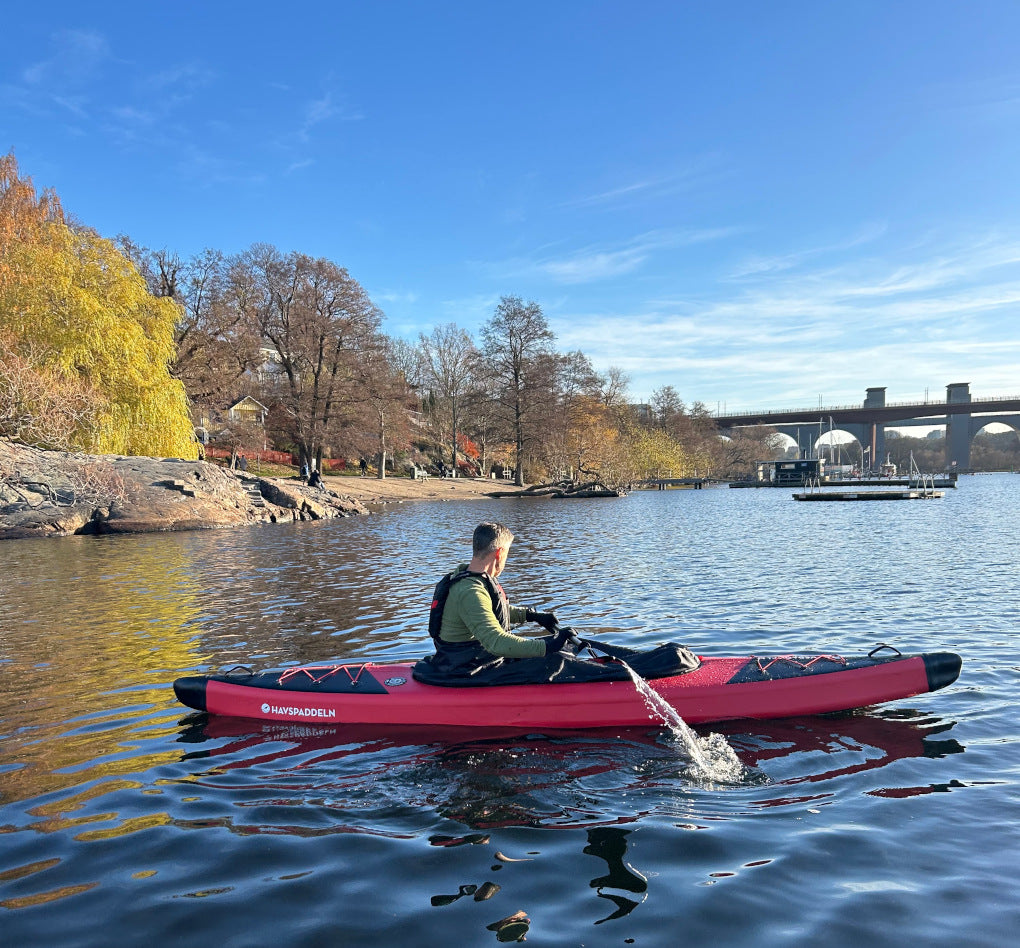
(545,619)
(556,642)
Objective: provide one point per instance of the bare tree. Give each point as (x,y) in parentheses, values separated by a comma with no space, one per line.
(667,407)
(318,322)
(481,414)
(614,388)
(386,395)
(215,347)
(450,362)
(515,339)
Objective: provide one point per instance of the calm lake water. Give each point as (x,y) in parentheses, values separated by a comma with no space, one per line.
(126,819)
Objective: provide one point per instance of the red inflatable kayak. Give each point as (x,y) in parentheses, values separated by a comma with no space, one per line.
(719,689)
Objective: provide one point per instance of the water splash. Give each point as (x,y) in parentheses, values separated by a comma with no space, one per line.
(712,756)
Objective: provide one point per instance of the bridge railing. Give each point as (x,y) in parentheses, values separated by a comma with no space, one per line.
(860,405)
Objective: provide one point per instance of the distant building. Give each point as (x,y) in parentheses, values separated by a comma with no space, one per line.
(797,472)
(248,410)
(270,366)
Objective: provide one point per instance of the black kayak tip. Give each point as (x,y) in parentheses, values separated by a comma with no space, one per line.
(943,668)
(191,691)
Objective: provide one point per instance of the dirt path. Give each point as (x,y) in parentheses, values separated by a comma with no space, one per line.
(371,490)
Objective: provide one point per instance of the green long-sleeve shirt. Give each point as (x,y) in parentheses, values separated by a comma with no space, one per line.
(468,616)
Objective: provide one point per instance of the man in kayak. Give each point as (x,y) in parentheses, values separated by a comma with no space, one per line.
(470,623)
(471,616)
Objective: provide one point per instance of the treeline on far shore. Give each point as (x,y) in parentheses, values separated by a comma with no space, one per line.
(110,347)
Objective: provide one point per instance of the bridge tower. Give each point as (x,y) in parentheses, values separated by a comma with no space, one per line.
(871,436)
(958,428)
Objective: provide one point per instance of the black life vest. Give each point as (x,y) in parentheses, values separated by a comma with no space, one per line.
(500,606)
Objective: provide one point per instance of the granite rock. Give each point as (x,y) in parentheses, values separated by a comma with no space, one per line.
(53,493)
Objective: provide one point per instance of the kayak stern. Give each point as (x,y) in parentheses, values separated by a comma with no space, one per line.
(190,691)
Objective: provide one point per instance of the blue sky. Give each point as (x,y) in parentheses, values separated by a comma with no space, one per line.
(761,204)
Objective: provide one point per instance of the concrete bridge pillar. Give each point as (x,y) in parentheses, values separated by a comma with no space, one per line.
(874,442)
(958,428)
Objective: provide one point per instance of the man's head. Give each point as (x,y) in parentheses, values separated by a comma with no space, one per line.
(489,537)
(489,546)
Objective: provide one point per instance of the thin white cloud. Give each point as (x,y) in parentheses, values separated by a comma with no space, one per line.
(132,115)
(470,311)
(589,266)
(402,297)
(596,263)
(694,174)
(180,79)
(324,109)
(76,56)
(60,84)
(755,266)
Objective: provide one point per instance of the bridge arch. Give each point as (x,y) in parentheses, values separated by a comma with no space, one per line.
(1013,425)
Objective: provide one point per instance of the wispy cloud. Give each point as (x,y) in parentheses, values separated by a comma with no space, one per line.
(590,265)
(181,79)
(60,83)
(595,263)
(402,297)
(757,265)
(328,107)
(207,168)
(470,311)
(696,173)
(76,56)
(83,83)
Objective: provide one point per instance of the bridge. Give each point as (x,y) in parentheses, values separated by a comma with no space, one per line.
(962,415)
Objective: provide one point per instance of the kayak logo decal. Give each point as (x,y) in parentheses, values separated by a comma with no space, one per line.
(293,712)
(394,682)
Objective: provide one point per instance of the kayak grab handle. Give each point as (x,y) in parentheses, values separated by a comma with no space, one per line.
(878,648)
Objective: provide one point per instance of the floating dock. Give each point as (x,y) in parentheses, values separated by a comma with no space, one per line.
(919,493)
(933,481)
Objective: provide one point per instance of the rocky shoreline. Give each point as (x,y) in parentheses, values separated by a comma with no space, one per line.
(56,494)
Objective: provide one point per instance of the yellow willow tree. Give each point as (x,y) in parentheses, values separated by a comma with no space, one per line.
(655,453)
(594,448)
(84,346)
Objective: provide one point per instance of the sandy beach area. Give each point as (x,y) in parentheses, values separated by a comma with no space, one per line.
(371,490)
